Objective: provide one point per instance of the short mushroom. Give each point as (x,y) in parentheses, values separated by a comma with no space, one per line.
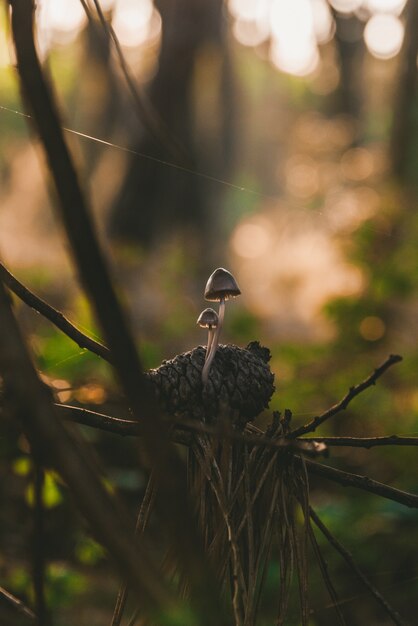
(220,287)
(208,319)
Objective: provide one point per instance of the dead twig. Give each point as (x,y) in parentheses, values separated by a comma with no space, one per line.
(8,599)
(172,501)
(365,442)
(53,315)
(352,393)
(364,483)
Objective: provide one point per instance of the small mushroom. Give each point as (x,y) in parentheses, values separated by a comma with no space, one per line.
(208,319)
(220,287)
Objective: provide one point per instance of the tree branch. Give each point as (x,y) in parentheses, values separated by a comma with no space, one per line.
(364,442)
(352,393)
(30,401)
(183,429)
(363,482)
(172,501)
(53,315)
(17,605)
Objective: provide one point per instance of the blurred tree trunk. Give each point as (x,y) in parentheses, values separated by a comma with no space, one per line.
(156,199)
(404,127)
(350,49)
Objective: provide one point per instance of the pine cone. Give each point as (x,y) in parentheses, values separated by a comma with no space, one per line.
(240,384)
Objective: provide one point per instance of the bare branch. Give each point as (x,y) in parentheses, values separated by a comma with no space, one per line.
(352,393)
(183,428)
(364,442)
(17,605)
(363,482)
(354,567)
(32,406)
(172,501)
(53,315)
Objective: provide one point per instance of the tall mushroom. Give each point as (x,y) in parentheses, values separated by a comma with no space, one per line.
(220,287)
(208,319)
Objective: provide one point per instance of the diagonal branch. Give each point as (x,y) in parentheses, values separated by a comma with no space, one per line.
(53,315)
(363,482)
(352,393)
(354,567)
(172,501)
(7,599)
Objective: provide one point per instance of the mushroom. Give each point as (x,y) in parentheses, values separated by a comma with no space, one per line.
(221,285)
(208,319)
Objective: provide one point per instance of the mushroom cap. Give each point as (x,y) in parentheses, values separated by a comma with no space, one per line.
(221,284)
(208,319)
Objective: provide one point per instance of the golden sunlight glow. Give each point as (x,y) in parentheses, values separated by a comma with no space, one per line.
(294,49)
(249,33)
(385,6)
(132,21)
(346,6)
(357,164)
(384,35)
(59,21)
(251,240)
(249,10)
(323,23)
(65,15)
(291,267)
(302,178)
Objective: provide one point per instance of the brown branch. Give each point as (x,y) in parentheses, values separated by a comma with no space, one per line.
(364,442)
(172,502)
(352,393)
(363,482)
(183,429)
(7,599)
(53,315)
(31,405)
(354,567)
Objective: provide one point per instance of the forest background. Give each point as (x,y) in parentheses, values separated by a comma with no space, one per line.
(277,139)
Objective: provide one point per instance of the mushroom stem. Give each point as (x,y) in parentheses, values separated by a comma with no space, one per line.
(211,333)
(210,353)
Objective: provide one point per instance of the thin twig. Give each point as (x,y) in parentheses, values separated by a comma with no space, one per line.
(173,500)
(365,442)
(17,605)
(363,482)
(133,428)
(53,315)
(354,567)
(33,408)
(141,522)
(239,587)
(352,393)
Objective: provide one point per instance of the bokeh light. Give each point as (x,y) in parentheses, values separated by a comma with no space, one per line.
(346,6)
(372,328)
(58,22)
(249,33)
(132,20)
(384,35)
(251,240)
(385,6)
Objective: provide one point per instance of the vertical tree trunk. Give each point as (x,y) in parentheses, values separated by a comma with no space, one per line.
(171,198)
